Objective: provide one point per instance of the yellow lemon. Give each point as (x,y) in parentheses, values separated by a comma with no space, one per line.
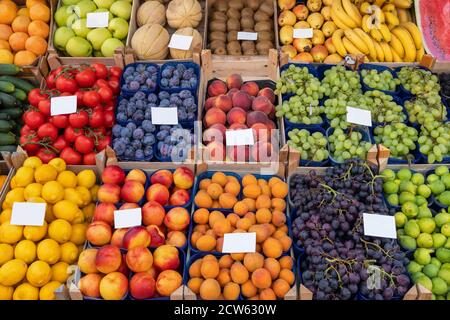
(72,195)
(39,273)
(47,292)
(68,179)
(13,183)
(10,233)
(6,293)
(59,272)
(12,272)
(49,216)
(48,250)
(60,230)
(32,190)
(26,251)
(85,195)
(79,217)
(86,178)
(89,211)
(94,191)
(52,192)
(58,163)
(35,233)
(24,176)
(32,162)
(5,216)
(14,195)
(78,235)
(36,200)
(26,292)
(65,209)
(45,173)
(69,253)
(6,56)
(6,253)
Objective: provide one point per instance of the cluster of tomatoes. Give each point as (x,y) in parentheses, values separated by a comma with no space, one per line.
(75,137)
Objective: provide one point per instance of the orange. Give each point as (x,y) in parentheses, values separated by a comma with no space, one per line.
(8,11)
(20,24)
(37,45)
(24,58)
(40,11)
(38,28)
(5,31)
(4,44)
(17,41)
(23,12)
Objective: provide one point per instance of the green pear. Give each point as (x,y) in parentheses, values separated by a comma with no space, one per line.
(426,225)
(441,170)
(412,228)
(62,36)
(410,209)
(425,282)
(121,9)
(436,262)
(414,267)
(439,286)
(425,240)
(442,218)
(390,187)
(445,275)
(79,47)
(400,219)
(388,175)
(407,185)
(406,197)
(443,255)
(444,198)
(110,45)
(424,190)
(97,36)
(407,242)
(437,187)
(61,16)
(392,199)
(430,270)
(445,229)
(438,240)
(422,256)
(418,179)
(80,29)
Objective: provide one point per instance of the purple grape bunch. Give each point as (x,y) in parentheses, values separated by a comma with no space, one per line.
(178,76)
(140,77)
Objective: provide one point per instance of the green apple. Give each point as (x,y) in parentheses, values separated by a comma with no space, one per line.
(118,27)
(61,15)
(61,36)
(110,45)
(97,36)
(121,9)
(78,47)
(103,3)
(70,2)
(80,29)
(82,8)
(71,20)
(110,15)
(98,54)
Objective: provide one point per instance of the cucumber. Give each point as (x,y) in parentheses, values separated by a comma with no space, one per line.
(8,148)
(7,139)
(19,94)
(13,113)
(18,83)
(9,69)
(6,126)
(8,101)
(4,116)
(6,86)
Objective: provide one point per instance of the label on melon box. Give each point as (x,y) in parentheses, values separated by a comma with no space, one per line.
(164,116)
(359,116)
(377,225)
(239,242)
(63,105)
(97,19)
(242,137)
(306,33)
(181,42)
(28,214)
(127,218)
(251,36)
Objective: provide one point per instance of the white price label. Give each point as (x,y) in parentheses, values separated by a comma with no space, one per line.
(359,116)
(377,225)
(251,36)
(63,105)
(127,218)
(242,137)
(306,33)
(164,116)
(28,214)
(239,242)
(97,19)
(178,41)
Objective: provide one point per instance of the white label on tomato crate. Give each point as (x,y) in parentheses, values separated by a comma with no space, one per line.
(28,214)
(377,225)
(359,116)
(239,242)
(242,137)
(164,116)
(127,218)
(178,41)
(252,36)
(306,33)
(63,105)
(97,19)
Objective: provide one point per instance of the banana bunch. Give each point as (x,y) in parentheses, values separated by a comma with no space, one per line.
(345,14)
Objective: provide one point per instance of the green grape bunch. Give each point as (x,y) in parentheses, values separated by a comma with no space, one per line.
(300,109)
(298,80)
(434,140)
(312,146)
(344,146)
(380,80)
(426,108)
(418,81)
(340,80)
(398,137)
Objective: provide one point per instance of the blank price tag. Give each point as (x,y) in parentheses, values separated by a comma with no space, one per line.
(252,36)
(164,115)
(306,33)
(63,105)
(243,137)
(239,242)
(178,41)
(378,225)
(28,214)
(127,218)
(97,19)
(359,116)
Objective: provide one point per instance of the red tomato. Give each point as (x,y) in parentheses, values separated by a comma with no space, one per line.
(108,119)
(58,70)
(80,95)
(89,159)
(109,105)
(30,142)
(60,143)
(48,130)
(99,131)
(86,78)
(101,71)
(101,83)
(114,84)
(103,142)
(91,99)
(70,156)
(115,72)
(60,121)
(33,119)
(79,119)
(44,107)
(25,130)
(84,144)
(51,80)
(96,118)
(65,83)
(105,93)
(45,155)
(70,134)
(35,95)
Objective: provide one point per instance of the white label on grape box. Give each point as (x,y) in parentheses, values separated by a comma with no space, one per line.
(306,33)
(28,214)
(252,36)
(164,116)
(178,41)
(359,116)
(377,225)
(242,137)
(97,19)
(127,218)
(310,109)
(63,105)
(239,242)
(349,60)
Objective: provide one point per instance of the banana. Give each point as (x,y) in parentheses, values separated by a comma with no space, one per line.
(387,51)
(408,13)
(337,42)
(390,26)
(403,4)
(365,24)
(366,8)
(379,3)
(414,32)
(376,34)
(368,41)
(392,18)
(350,47)
(395,56)
(397,46)
(380,16)
(389,8)
(402,15)
(385,32)
(340,13)
(338,22)
(407,43)
(356,40)
(352,11)
(419,54)
(380,52)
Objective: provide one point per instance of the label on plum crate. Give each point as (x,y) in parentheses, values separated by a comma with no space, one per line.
(178,41)
(242,137)
(63,105)
(97,19)
(251,36)
(127,218)
(377,225)
(239,242)
(28,214)
(164,116)
(306,33)
(359,116)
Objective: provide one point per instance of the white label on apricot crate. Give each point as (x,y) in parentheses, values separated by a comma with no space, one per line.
(63,105)
(239,242)
(97,19)
(252,36)
(242,137)
(127,218)
(377,225)
(178,41)
(306,33)
(164,116)
(359,116)
(28,214)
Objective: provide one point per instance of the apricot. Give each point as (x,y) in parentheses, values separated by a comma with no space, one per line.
(287,275)
(274,180)
(204,183)
(203,200)
(215,216)
(265,190)
(227,200)
(194,284)
(224,277)
(248,289)
(240,208)
(270,228)
(202,228)
(233,179)
(286,262)
(278,218)
(244,224)
(263,215)
(286,242)
(220,178)
(167,282)
(272,248)
(210,232)
(195,236)
(237,256)
(226,261)
(209,257)
(273,266)
(258,248)
(219,244)
(249,179)
(233,218)
(233,188)
(231,291)
(267,294)
(210,290)
(278,204)
(261,278)
(280,287)
(279,190)
(216,204)
(251,216)
(252,191)
(256,297)
(262,232)
(239,273)
(221,227)
(214,190)
(205,243)
(283,228)
(201,216)
(176,238)
(263,201)
(210,269)
(194,269)
(253,261)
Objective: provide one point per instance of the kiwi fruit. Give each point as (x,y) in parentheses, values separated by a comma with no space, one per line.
(261,16)
(247,23)
(267,8)
(232,36)
(217,25)
(263,26)
(217,35)
(254,4)
(263,47)
(233,25)
(221,51)
(247,12)
(236,4)
(234,48)
(233,14)
(220,16)
(265,36)
(217,44)
(221,5)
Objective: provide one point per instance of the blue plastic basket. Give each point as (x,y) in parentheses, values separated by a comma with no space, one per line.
(404,92)
(379,68)
(129,93)
(187,65)
(310,163)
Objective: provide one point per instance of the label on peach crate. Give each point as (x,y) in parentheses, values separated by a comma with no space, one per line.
(239,242)
(127,218)
(243,137)
(251,36)
(164,116)
(181,42)
(63,105)
(359,116)
(306,33)
(28,214)
(377,225)
(97,19)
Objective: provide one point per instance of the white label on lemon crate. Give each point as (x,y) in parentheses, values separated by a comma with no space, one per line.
(252,36)
(164,115)
(178,41)
(28,213)
(63,105)
(239,242)
(377,225)
(359,116)
(127,218)
(242,137)
(305,33)
(97,19)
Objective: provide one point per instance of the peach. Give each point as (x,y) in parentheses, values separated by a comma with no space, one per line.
(153,272)
(216,88)
(241,99)
(114,286)
(142,286)
(237,126)
(176,238)
(123,266)
(260,131)
(128,205)
(86,261)
(262,151)
(159,193)
(108,259)
(179,198)
(214,115)
(136,237)
(113,174)
(231,92)
(223,102)
(263,104)
(166,258)
(251,88)
(158,238)
(139,259)
(209,103)
(214,133)
(105,212)
(89,285)
(236,115)
(234,81)
(268,93)
(239,153)
(163,177)
(132,191)
(215,151)
(109,193)
(98,233)
(256,117)
(153,213)
(183,178)
(177,219)
(137,175)
(210,289)
(271,126)
(167,282)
